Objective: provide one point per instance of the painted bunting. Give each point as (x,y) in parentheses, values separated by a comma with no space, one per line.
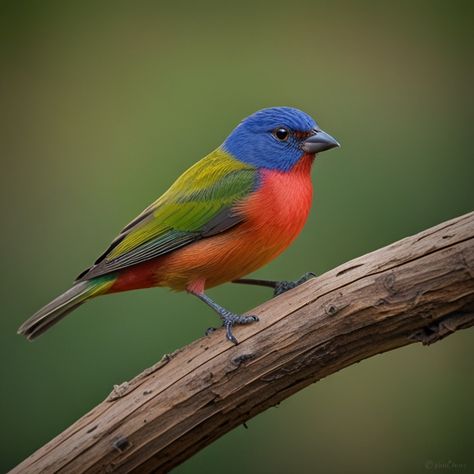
(226,216)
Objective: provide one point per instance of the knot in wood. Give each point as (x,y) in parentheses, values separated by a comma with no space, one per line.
(331,309)
(389,282)
(121,444)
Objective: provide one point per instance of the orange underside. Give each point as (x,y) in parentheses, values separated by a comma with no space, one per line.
(274,216)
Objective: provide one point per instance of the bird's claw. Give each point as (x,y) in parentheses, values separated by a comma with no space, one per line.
(229,320)
(283,286)
(232,319)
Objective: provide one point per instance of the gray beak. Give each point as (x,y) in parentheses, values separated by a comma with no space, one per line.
(320,141)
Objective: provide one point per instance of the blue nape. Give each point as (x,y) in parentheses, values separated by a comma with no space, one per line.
(252,140)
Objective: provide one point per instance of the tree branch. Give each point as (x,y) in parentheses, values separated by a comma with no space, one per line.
(420,289)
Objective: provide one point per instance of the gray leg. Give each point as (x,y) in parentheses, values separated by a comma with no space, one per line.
(279,287)
(229,319)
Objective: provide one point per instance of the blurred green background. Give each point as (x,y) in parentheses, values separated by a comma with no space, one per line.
(105,104)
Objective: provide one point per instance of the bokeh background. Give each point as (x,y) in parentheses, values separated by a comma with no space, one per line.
(105,104)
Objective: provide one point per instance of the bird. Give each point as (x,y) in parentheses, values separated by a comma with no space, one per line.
(229,214)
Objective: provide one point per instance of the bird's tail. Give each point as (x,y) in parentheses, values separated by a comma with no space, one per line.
(61,306)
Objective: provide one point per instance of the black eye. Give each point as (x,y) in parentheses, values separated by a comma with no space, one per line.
(281,134)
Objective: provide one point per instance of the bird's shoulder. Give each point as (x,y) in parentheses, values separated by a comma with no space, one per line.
(218,169)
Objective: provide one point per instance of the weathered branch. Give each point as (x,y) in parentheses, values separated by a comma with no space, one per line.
(418,289)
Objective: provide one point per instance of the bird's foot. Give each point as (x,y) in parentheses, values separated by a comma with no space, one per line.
(282,286)
(229,320)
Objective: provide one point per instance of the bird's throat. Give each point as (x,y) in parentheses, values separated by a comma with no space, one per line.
(304,164)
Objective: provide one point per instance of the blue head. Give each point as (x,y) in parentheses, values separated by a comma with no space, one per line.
(276,138)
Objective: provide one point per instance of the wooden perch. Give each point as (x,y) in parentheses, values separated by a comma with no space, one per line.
(420,289)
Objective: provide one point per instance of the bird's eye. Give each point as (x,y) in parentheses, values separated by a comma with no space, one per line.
(281,134)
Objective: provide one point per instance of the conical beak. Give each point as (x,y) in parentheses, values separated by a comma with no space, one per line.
(320,141)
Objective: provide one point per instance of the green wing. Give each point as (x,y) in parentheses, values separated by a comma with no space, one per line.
(201,203)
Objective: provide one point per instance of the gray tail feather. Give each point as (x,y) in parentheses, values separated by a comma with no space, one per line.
(55,310)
